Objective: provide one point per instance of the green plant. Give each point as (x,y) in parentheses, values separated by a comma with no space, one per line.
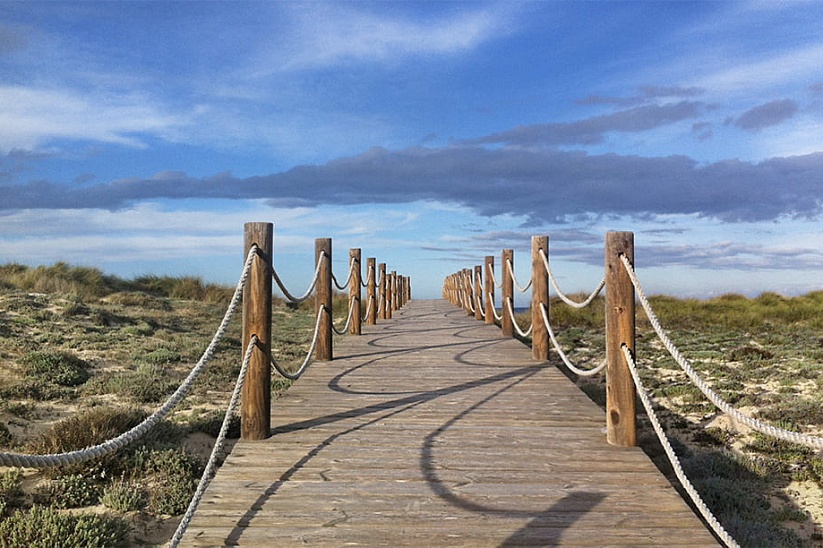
(6,436)
(173,476)
(10,488)
(60,368)
(124,496)
(43,527)
(72,491)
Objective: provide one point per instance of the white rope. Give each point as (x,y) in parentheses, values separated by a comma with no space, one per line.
(514,322)
(117,443)
(479,305)
(211,465)
(562,296)
(369,277)
(348,320)
(762,427)
(297,374)
(469,300)
(348,280)
(570,365)
(675,462)
(369,306)
(307,294)
(514,279)
(490,274)
(498,317)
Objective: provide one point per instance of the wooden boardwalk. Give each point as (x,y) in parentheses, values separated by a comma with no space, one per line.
(430,430)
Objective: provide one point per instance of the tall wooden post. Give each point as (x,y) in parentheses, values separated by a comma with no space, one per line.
(323,300)
(385,313)
(395,298)
(621,417)
(540,298)
(371,291)
(489,300)
(389,295)
(478,293)
(506,324)
(355,292)
(255,423)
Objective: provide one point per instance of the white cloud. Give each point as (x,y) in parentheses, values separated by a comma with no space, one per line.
(31,117)
(327,34)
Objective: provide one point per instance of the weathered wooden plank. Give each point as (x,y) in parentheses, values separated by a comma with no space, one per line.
(431,429)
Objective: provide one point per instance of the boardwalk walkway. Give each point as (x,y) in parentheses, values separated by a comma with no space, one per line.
(430,430)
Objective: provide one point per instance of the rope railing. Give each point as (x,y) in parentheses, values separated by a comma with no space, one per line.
(115,444)
(516,326)
(211,466)
(707,514)
(302,369)
(762,427)
(563,297)
(344,286)
(576,370)
(345,328)
(514,279)
(312,286)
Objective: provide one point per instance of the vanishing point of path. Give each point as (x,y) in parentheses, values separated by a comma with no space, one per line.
(430,429)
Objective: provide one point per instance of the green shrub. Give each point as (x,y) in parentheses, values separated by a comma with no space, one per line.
(173,475)
(46,528)
(124,496)
(211,422)
(60,368)
(72,491)
(88,428)
(6,436)
(10,489)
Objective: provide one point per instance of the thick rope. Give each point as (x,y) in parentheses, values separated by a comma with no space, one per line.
(124,439)
(574,369)
(369,277)
(348,280)
(675,462)
(309,291)
(297,374)
(514,279)
(762,427)
(345,328)
(490,274)
(479,305)
(516,326)
(564,297)
(369,306)
(211,465)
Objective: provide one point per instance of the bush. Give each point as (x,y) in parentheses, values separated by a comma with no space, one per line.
(86,429)
(124,496)
(173,476)
(60,368)
(46,528)
(72,491)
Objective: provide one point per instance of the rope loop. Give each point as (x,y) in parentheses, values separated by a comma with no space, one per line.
(312,285)
(574,369)
(514,278)
(586,302)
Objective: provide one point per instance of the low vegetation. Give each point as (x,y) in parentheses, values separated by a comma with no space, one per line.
(87,356)
(765,356)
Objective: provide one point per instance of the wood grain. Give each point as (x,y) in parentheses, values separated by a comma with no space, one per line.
(432,429)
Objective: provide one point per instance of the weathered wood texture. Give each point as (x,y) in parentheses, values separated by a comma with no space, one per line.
(432,429)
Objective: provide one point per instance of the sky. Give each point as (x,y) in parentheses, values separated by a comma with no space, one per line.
(139,137)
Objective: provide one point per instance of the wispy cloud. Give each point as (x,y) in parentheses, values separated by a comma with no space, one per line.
(327,34)
(593,130)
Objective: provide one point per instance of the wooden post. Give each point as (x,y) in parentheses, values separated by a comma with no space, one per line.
(621,417)
(507,290)
(382,288)
(489,300)
(478,292)
(355,293)
(540,298)
(323,300)
(395,298)
(371,291)
(255,422)
(389,295)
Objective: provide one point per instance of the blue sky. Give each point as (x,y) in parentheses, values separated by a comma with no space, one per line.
(139,137)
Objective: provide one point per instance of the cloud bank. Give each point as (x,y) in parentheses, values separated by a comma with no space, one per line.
(545,185)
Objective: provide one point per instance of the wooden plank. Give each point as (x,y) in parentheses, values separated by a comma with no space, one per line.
(431,429)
